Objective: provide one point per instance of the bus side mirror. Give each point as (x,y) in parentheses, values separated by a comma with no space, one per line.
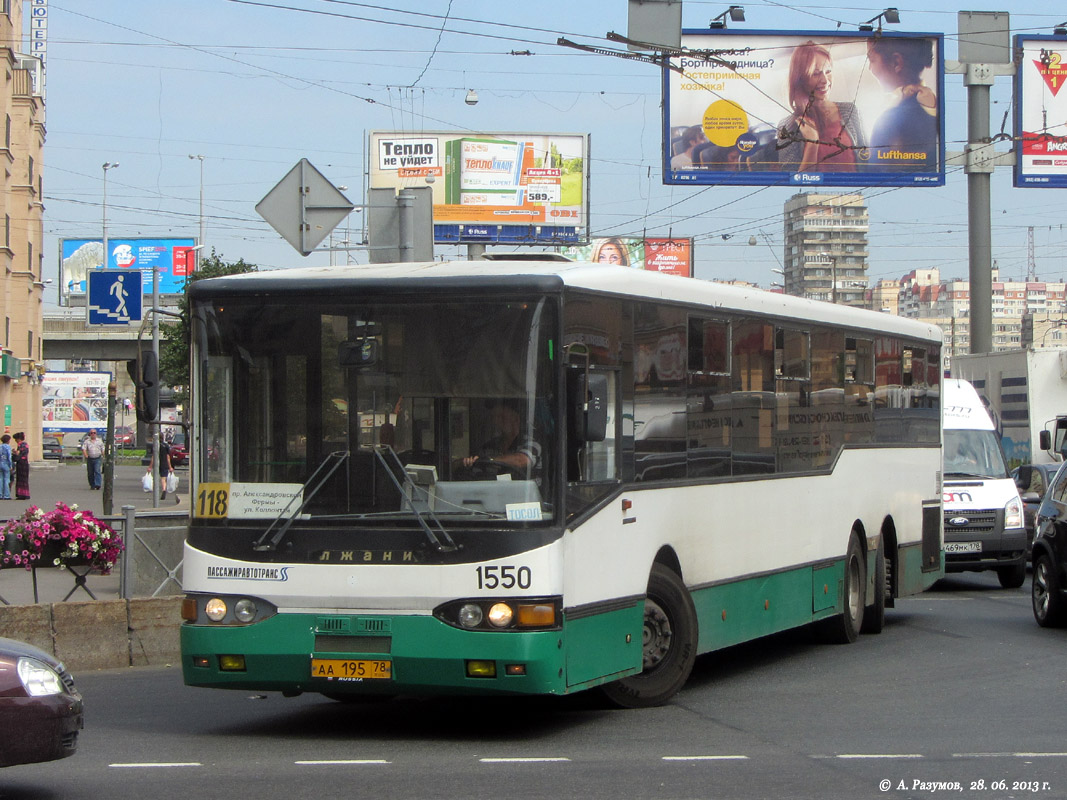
(587,406)
(144,372)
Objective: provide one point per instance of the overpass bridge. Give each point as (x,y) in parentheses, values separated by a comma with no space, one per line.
(67,336)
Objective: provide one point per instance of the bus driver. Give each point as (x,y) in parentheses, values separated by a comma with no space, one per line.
(508,446)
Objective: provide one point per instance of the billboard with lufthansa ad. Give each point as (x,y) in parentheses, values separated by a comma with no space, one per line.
(1041,111)
(800,109)
(518,188)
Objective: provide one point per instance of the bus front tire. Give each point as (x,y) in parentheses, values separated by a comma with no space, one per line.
(669,644)
(845,627)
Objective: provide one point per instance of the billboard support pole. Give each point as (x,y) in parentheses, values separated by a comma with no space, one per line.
(978,79)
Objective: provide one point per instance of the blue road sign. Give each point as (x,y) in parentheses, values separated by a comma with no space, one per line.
(114,296)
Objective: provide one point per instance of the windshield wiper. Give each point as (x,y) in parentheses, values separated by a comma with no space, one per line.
(268,542)
(439,538)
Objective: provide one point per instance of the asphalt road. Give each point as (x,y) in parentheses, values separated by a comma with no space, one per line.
(962,687)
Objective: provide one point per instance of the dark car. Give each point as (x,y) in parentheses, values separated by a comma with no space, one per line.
(1033,481)
(1048,591)
(40,710)
(52,447)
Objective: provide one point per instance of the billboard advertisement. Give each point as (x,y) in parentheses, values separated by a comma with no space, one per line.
(670,256)
(74,401)
(174,258)
(519,188)
(1041,111)
(818,108)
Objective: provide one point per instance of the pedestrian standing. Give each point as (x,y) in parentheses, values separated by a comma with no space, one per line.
(22,467)
(164,467)
(93,450)
(6,463)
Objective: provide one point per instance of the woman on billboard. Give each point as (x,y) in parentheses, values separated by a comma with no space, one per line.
(821,135)
(905,134)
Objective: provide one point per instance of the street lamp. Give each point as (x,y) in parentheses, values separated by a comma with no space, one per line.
(201,160)
(107,165)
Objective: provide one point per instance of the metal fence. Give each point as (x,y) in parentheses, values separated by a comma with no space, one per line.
(150,565)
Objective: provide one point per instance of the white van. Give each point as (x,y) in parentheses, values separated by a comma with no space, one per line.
(983,512)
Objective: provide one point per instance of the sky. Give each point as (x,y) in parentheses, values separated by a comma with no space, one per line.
(252,87)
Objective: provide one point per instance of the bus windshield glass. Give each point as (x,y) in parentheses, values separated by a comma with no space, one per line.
(379,412)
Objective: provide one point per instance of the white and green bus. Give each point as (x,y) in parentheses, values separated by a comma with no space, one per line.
(538,477)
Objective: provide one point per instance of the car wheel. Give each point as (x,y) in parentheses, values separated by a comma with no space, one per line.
(1012,577)
(669,644)
(1050,610)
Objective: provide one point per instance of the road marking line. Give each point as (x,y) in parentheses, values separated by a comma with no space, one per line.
(705,758)
(321,763)
(149,765)
(519,760)
(887,756)
(1009,755)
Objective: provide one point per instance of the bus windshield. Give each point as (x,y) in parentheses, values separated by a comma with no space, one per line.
(372,412)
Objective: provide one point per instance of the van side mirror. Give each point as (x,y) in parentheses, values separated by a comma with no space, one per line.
(587,406)
(1044,440)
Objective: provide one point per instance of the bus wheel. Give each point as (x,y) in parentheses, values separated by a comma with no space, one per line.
(874,614)
(1050,611)
(1012,577)
(845,627)
(669,644)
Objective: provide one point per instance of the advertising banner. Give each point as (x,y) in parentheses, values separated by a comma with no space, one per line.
(1041,111)
(814,108)
(74,401)
(174,258)
(670,256)
(491,187)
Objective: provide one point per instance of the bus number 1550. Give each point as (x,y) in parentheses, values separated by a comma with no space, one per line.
(504,577)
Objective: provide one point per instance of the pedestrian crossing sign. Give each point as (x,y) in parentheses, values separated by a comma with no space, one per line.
(114,296)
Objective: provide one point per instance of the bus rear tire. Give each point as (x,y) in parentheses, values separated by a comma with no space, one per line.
(874,614)
(845,627)
(669,644)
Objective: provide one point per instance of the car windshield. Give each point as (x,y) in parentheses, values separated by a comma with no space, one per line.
(380,412)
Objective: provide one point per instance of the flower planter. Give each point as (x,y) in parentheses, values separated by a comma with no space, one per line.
(36,540)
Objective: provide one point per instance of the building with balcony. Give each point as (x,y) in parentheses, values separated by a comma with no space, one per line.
(826,247)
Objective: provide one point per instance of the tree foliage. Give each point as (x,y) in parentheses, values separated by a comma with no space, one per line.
(175,336)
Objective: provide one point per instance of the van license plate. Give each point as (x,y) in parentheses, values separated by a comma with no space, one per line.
(963,547)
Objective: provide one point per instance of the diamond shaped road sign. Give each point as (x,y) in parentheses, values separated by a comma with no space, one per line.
(304,207)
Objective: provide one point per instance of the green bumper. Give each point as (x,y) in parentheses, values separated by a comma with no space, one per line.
(425,654)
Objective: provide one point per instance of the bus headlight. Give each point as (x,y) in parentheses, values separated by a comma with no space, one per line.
(470,615)
(500,614)
(225,609)
(244,610)
(215,609)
